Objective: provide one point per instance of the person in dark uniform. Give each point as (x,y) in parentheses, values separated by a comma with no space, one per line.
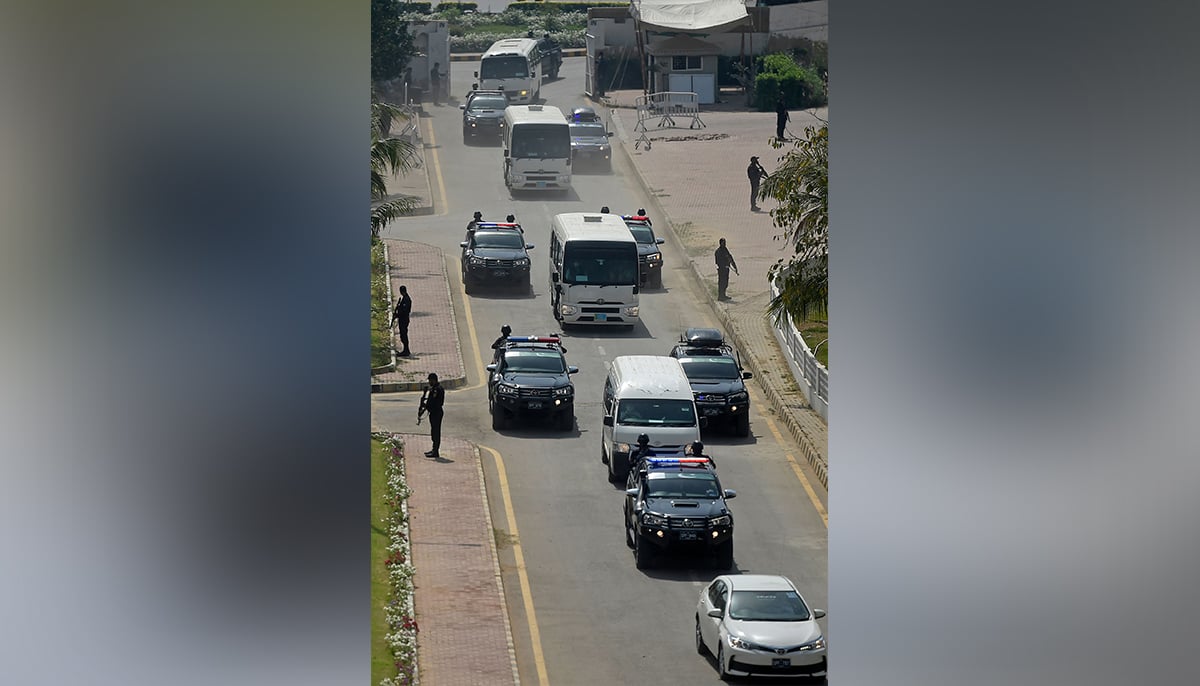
(724,262)
(433,405)
(400,319)
(435,82)
(511,219)
(498,344)
(781,117)
(642,450)
(755,173)
(598,76)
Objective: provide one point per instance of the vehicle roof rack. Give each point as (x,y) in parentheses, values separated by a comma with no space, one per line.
(702,338)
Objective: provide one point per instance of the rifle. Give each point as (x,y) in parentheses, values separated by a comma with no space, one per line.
(421,407)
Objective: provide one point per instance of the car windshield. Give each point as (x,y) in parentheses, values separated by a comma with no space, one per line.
(587,129)
(710,368)
(655,412)
(504,67)
(701,485)
(613,264)
(768,606)
(642,234)
(533,361)
(488,102)
(541,141)
(499,239)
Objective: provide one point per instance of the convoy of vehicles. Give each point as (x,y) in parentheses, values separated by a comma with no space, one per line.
(716,375)
(593,270)
(537,148)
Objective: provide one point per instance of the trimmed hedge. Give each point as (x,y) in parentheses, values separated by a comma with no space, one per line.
(778,74)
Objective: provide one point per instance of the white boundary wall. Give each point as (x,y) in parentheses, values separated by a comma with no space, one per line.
(810,375)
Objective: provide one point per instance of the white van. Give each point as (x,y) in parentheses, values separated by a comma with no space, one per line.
(513,65)
(537,149)
(646,394)
(593,270)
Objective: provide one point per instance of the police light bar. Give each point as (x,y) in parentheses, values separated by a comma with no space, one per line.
(676,461)
(493,225)
(636,218)
(533,339)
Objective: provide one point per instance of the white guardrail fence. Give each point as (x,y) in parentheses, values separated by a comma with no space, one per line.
(811,376)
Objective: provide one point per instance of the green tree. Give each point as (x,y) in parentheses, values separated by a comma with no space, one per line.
(389,155)
(801,186)
(392,45)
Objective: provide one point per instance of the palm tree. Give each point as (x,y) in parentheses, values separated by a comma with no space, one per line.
(801,185)
(389,155)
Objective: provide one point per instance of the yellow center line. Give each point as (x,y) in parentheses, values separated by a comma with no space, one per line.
(535,636)
(437,173)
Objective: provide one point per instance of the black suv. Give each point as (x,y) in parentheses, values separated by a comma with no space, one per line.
(716,375)
(650,259)
(677,503)
(531,379)
(483,115)
(496,254)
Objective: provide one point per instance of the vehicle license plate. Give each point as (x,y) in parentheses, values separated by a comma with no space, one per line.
(781,662)
(601,317)
(712,411)
(687,535)
(535,404)
(500,273)
(541,184)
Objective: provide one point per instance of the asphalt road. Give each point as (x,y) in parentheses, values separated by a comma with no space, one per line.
(588,615)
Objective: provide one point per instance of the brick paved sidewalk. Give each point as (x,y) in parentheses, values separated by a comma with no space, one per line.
(464,638)
(432,332)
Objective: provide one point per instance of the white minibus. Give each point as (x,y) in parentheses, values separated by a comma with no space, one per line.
(646,394)
(593,270)
(537,148)
(514,66)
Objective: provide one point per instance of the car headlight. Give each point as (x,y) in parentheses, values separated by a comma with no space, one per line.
(523,262)
(631,311)
(568,310)
(563,392)
(622,447)
(818,644)
(654,520)
(476,261)
(524,93)
(506,389)
(737,642)
(723,520)
(739,397)
(654,257)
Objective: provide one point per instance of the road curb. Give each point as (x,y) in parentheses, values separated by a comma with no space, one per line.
(811,454)
(491,527)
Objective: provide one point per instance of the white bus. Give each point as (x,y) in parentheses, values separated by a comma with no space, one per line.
(513,65)
(537,148)
(593,270)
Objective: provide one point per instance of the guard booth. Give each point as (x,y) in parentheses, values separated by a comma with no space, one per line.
(670,36)
(684,64)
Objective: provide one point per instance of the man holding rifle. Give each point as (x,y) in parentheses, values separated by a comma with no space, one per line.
(432,401)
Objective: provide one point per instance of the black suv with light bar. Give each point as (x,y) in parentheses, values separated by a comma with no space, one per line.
(650,258)
(496,253)
(531,380)
(677,503)
(715,373)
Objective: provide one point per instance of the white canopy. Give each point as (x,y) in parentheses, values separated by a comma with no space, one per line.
(712,16)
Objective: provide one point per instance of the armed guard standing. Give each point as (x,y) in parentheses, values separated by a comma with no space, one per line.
(724,262)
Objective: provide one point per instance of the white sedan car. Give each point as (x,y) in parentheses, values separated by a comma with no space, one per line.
(759,624)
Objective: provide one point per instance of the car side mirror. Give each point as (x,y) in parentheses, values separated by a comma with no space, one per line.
(506,152)
(817,614)
(554,277)
(747,375)
(491,367)
(463,244)
(730,493)
(476,74)
(660,241)
(635,290)
(716,613)
(572,369)
(462,107)
(631,492)
(610,134)
(608,420)
(529,246)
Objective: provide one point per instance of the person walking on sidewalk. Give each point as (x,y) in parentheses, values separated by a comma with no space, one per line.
(433,405)
(781,117)
(400,319)
(724,262)
(756,173)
